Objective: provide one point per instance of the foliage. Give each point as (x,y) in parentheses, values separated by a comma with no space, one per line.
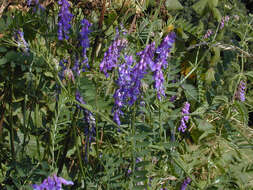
(46,129)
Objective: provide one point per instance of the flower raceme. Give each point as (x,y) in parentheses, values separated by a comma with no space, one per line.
(52,183)
(125,88)
(84,40)
(185,118)
(90,130)
(209,32)
(65,18)
(129,80)
(129,76)
(140,69)
(146,58)
(223,21)
(161,62)
(240,94)
(111,55)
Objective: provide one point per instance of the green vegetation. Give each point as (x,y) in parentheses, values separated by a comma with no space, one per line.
(127,94)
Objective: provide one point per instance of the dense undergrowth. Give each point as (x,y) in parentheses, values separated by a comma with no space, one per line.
(124,94)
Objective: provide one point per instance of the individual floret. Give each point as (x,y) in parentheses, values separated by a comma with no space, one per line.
(65,18)
(185,118)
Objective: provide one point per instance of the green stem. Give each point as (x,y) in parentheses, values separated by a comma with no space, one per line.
(67,142)
(78,151)
(155,18)
(133,138)
(160,124)
(11,123)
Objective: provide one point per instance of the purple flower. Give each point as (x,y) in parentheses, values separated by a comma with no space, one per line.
(223,21)
(161,62)
(63,68)
(240,94)
(29,2)
(76,67)
(79,98)
(139,70)
(146,59)
(173,98)
(208,33)
(21,41)
(111,55)
(88,116)
(185,183)
(125,84)
(90,130)
(64,20)
(129,80)
(52,183)
(164,49)
(84,40)
(185,118)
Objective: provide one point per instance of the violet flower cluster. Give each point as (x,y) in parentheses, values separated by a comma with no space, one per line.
(146,58)
(84,40)
(223,21)
(125,84)
(111,55)
(209,32)
(76,67)
(65,18)
(240,94)
(22,42)
(129,80)
(185,118)
(186,182)
(90,130)
(140,69)
(52,183)
(163,53)
(29,2)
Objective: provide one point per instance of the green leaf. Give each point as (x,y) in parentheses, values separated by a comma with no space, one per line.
(173,5)
(200,6)
(206,133)
(220,99)
(190,91)
(11,55)
(202,109)
(213,3)
(139,187)
(216,14)
(140,173)
(203,125)
(3,49)
(157,147)
(2,25)
(243,111)
(3,61)
(249,74)
(210,75)
(49,74)
(142,163)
